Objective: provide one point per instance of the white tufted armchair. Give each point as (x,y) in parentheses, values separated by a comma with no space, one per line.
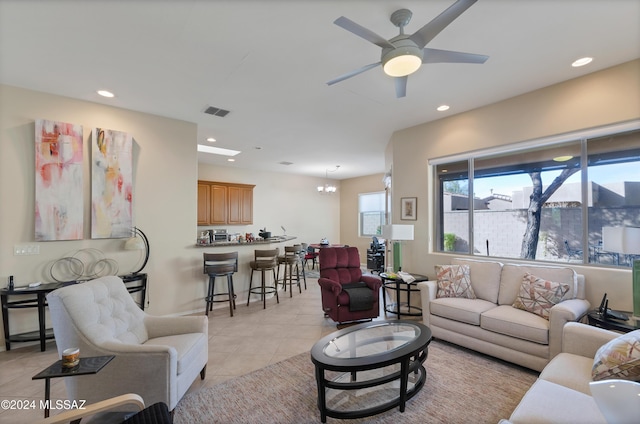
(156,357)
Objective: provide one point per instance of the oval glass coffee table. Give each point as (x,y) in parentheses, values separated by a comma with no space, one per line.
(370,368)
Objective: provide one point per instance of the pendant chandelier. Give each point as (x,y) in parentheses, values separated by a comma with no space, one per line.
(328,188)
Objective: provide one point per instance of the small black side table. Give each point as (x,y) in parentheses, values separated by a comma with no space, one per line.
(599,320)
(398,285)
(89,365)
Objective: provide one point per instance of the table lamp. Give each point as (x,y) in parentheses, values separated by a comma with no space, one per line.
(135,243)
(397,233)
(625,241)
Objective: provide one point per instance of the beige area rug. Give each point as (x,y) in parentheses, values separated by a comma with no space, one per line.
(461,387)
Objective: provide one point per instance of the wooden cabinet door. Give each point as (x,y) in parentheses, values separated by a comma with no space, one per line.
(218,204)
(247,205)
(235,211)
(204,204)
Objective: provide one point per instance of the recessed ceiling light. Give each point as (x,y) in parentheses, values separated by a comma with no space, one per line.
(231,160)
(105,93)
(442,108)
(562,158)
(217,150)
(211,140)
(581,62)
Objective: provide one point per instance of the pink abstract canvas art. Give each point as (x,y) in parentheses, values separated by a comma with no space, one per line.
(59,181)
(111,184)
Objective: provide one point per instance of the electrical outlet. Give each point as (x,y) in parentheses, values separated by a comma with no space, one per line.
(26,249)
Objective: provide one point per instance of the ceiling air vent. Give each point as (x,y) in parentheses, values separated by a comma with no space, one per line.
(215,111)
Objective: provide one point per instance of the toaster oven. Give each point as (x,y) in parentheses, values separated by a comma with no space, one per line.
(219,235)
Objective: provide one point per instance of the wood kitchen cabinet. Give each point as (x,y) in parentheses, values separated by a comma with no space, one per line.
(204,203)
(240,205)
(224,203)
(219,203)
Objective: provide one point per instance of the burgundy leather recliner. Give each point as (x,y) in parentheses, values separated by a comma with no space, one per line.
(339,266)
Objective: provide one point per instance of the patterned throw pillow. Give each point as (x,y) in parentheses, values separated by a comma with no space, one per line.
(454,281)
(538,295)
(618,359)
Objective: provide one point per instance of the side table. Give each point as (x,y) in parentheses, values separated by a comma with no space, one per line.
(89,365)
(399,286)
(29,297)
(597,319)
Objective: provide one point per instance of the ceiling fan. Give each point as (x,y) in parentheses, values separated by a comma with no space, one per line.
(403,54)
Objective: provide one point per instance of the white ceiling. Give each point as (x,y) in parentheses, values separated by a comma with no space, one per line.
(268,61)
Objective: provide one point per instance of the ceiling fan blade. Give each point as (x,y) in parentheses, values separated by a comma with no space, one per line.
(428,32)
(448,56)
(401,86)
(363,32)
(353,73)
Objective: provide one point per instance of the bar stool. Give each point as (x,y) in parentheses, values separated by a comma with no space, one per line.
(290,259)
(220,265)
(264,260)
(310,254)
(301,254)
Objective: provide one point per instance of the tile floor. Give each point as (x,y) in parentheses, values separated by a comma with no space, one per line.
(253,338)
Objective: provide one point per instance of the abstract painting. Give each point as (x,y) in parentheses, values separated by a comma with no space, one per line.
(59,181)
(111,184)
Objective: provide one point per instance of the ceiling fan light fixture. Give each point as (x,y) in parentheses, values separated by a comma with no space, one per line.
(402,61)
(401,66)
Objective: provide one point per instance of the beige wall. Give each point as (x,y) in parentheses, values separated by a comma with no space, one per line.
(599,99)
(166,170)
(164,191)
(165,175)
(349,218)
(287,200)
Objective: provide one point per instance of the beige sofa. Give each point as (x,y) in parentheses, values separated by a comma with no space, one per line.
(491,325)
(562,394)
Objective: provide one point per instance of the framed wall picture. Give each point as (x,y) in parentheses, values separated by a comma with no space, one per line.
(408,208)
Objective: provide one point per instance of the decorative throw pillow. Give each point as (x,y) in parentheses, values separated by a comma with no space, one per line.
(538,295)
(618,359)
(454,281)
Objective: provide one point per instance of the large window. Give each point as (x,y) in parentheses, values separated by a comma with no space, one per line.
(549,203)
(371,213)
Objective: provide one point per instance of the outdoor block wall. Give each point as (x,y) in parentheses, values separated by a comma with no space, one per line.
(504,230)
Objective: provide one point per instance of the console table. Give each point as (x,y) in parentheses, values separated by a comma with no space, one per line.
(36,297)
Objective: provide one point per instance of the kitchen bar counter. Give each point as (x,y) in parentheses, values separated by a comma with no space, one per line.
(270,240)
(246,254)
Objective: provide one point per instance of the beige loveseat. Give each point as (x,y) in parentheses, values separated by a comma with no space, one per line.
(562,393)
(491,325)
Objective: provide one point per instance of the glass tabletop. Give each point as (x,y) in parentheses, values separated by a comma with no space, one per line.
(375,339)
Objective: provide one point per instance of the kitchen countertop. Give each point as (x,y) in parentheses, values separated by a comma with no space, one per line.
(271,240)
